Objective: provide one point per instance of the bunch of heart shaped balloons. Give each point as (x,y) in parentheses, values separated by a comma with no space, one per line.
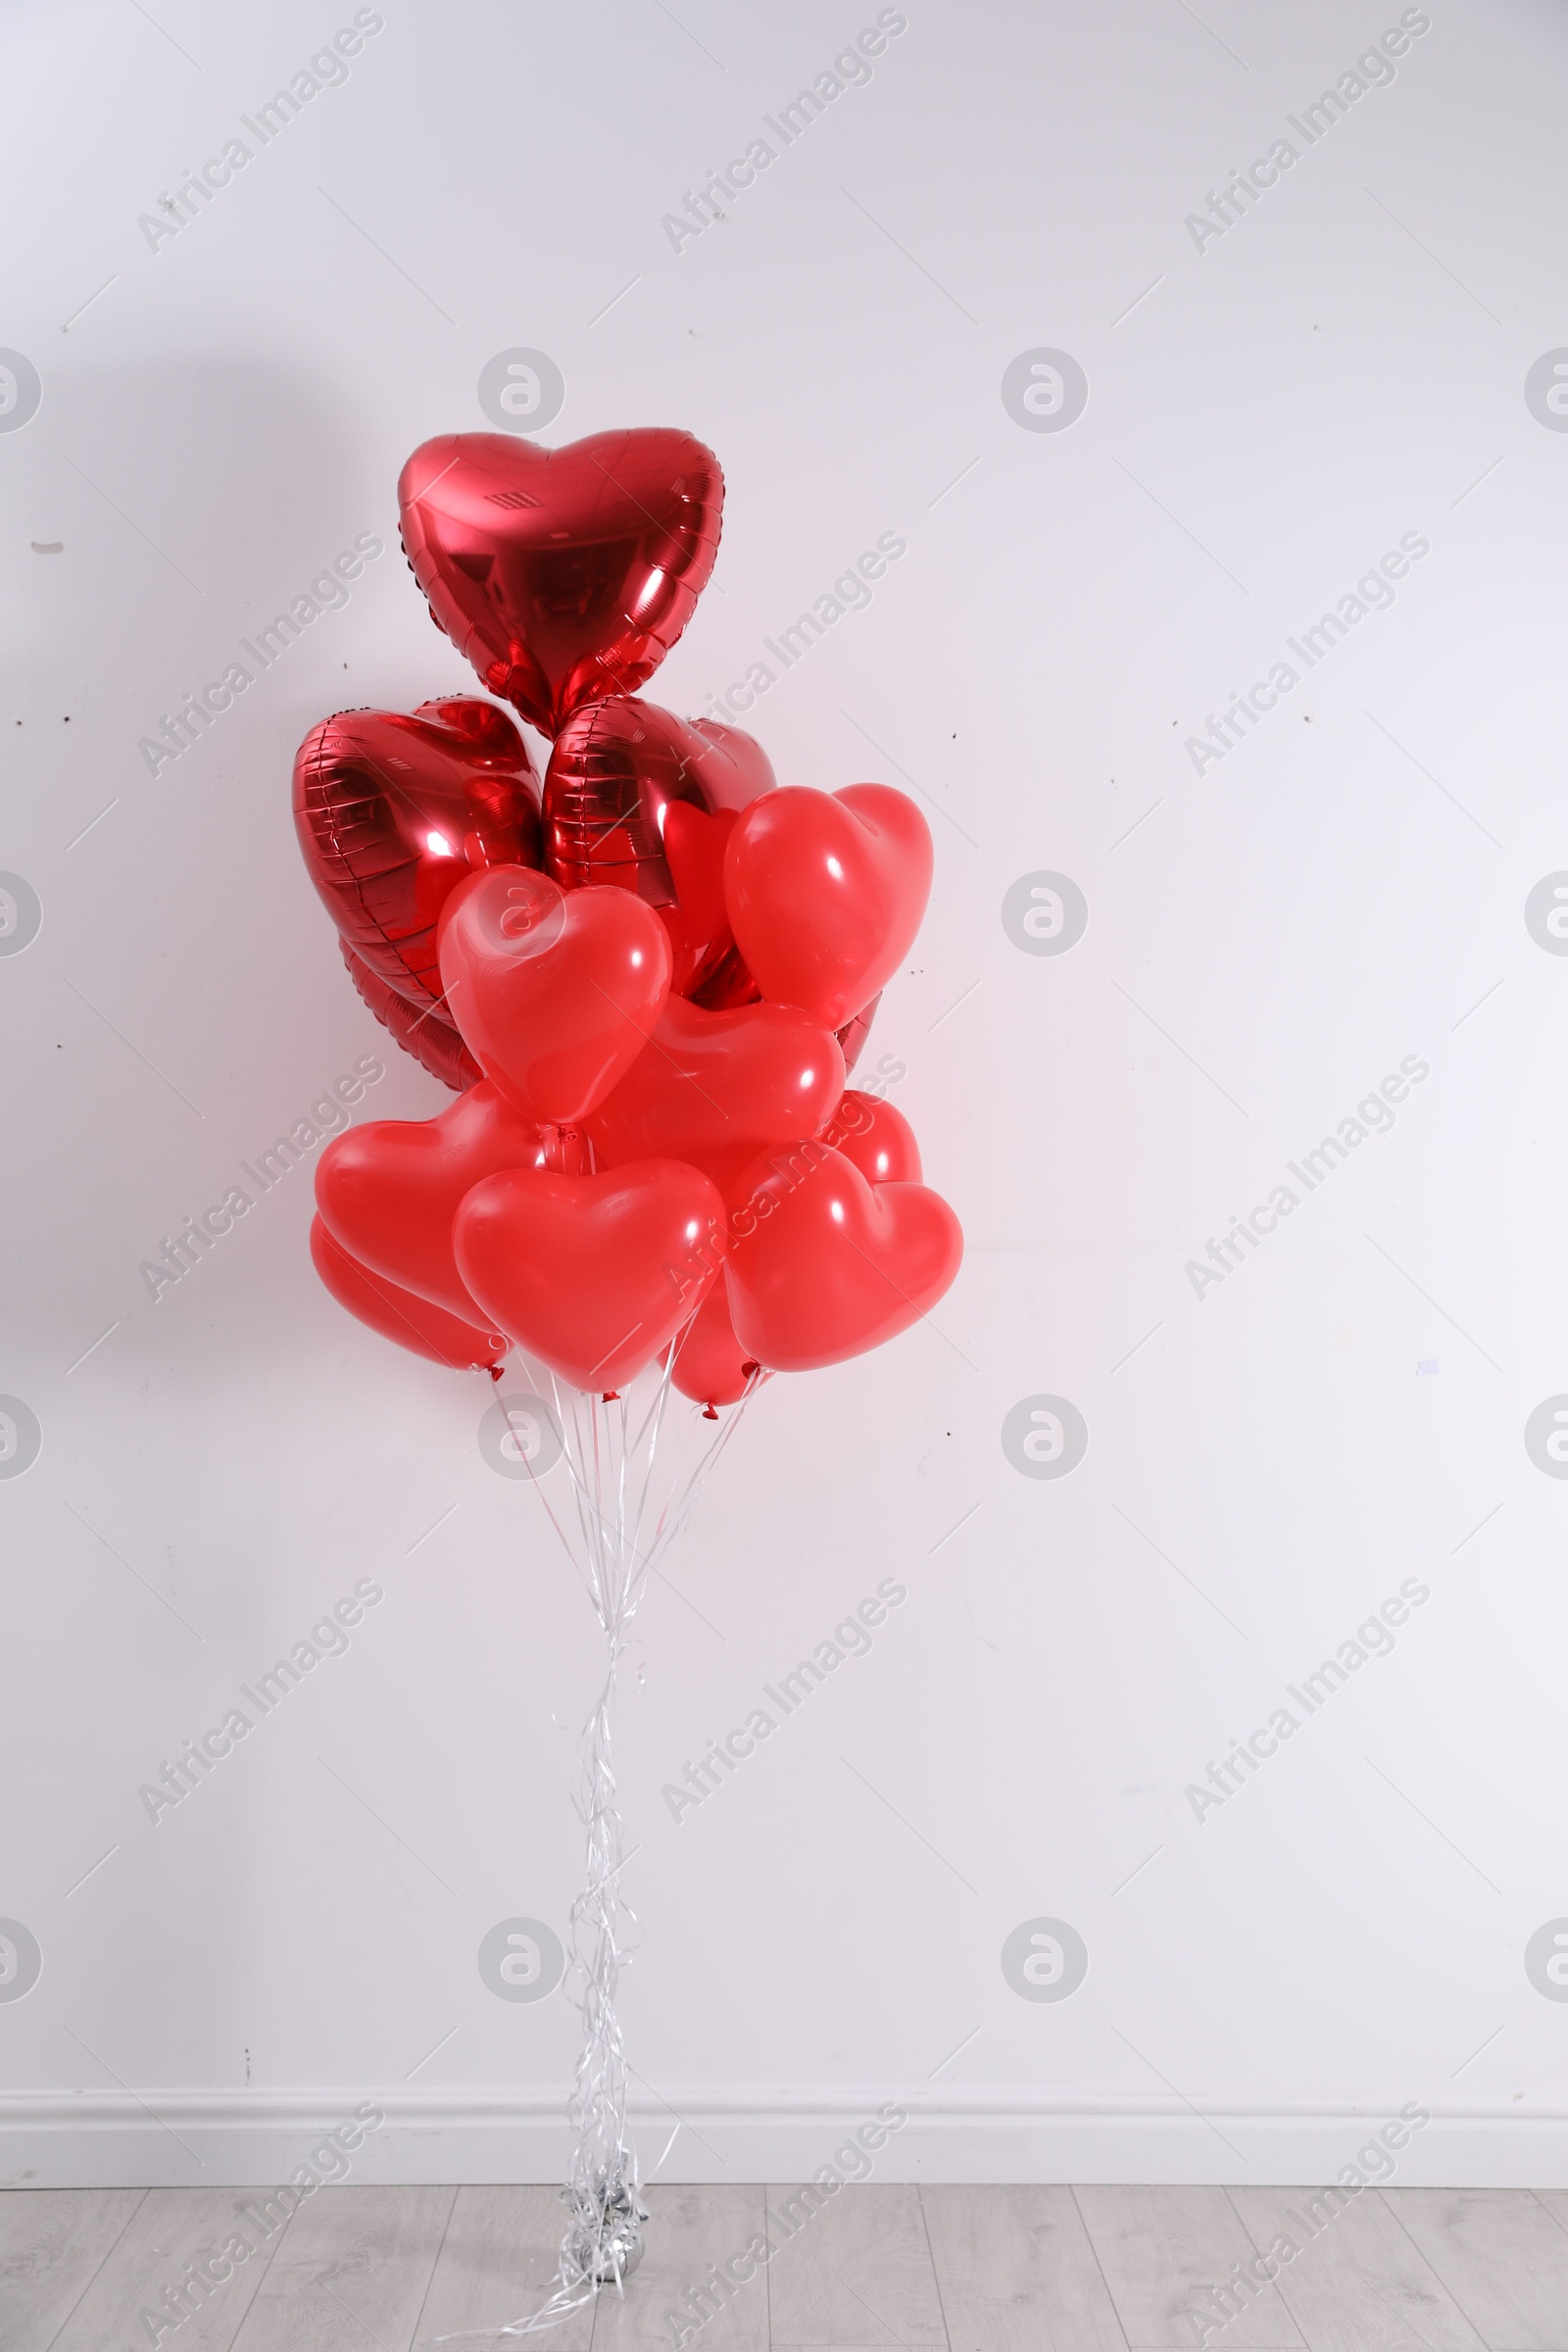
(645,976)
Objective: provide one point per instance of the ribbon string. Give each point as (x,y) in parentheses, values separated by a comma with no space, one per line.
(612,1462)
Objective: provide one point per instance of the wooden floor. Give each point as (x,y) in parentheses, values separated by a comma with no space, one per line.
(932,2270)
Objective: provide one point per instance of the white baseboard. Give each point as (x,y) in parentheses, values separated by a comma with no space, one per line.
(185,2138)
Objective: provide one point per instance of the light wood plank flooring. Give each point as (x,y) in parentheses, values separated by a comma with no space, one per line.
(780,2270)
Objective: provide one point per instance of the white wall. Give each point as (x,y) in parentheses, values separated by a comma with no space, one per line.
(1346,889)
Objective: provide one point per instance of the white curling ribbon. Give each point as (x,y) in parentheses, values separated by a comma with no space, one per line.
(610,1457)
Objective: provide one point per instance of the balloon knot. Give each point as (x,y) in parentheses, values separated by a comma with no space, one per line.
(708,1413)
(495,1372)
(610,1397)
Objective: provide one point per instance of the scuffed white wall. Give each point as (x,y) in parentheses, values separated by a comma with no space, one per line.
(1271,935)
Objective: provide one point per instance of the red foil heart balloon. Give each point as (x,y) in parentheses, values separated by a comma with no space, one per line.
(556,992)
(617,772)
(434,1042)
(854,1033)
(732,766)
(825,894)
(823,1265)
(592,1274)
(398,1315)
(716,1088)
(564,576)
(627,800)
(698,921)
(393,811)
(388,1190)
(614,770)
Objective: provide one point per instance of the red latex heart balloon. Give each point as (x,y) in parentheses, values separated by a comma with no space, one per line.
(393,811)
(873,1136)
(555,993)
(592,1274)
(564,575)
(398,1315)
(825,894)
(711,1367)
(823,1265)
(715,1088)
(626,801)
(388,1190)
(434,1042)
